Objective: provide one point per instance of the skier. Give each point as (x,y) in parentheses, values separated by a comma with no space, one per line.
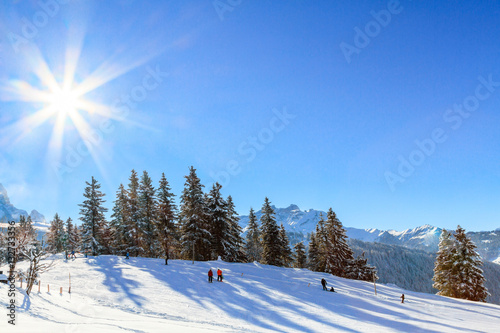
(323,283)
(402,298)
(210,276)
(127,256)
(73,254)
(219,275)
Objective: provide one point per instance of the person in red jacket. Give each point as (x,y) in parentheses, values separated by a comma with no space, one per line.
(210,276)
(219,275)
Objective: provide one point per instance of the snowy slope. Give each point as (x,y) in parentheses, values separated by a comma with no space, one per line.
(111,294)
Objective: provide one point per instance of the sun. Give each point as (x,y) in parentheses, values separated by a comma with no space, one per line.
(64,102)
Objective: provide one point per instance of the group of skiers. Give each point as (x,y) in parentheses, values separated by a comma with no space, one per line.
(211,275)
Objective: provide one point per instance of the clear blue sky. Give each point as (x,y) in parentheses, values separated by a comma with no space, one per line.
(358,102)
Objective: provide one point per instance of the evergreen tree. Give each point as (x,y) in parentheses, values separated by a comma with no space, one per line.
(218,222)
(466,275)
(286,251)
(321,243)
(166,215)
(360,270)
(271,246)
(71,230)
(147,217)
(56,235)
(300,256)
(457,271)
(120,222)
(253,246)
(339,255)
(313,254)
(133,216)
(92,217)
(195,237)
(443,265)
(235,250)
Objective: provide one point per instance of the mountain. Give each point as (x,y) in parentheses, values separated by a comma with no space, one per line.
(299,225)
(113,294)
(7,211)
(10,213)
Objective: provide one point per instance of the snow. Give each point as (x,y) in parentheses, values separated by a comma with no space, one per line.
(112,294)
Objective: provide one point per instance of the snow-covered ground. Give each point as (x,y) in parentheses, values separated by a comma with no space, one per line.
(112,294)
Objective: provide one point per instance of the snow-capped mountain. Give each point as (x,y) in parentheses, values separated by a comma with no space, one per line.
(7,211)
(299,225)
(10,213)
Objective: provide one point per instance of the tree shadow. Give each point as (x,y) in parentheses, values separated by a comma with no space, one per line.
(115,280)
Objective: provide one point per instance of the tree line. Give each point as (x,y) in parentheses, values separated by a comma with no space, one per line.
(146,222)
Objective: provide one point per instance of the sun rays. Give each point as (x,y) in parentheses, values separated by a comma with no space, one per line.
(62,104)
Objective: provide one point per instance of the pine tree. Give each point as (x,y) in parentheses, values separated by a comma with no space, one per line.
(359,269)
(120,222)
(166,215)
(466,274)
(313,254)
(321,243)
(253,246)
(457,271)
(134,214)
(56,235)
(443,265)
(92,217)
(235,250)
(286,251)
(300,256)
(195,237)
(72,236)
(218,222)
(148,234)
(271,246)
(339,255)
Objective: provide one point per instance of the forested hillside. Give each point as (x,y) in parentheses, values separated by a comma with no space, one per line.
(413,269)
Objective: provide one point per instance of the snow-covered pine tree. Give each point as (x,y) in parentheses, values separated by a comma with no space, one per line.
(466,273)
(235,251)
(72,242)
(300,259)
(76,235)
(339,255)
(56,235)
(271,246)
(253,246)
(120,222)
(218,222)
(443,265)
(313,254)
(286,251)
(167,210)
(92,217)
(134,214)
(148,235)
(321,242)
(359,269)
(195,236)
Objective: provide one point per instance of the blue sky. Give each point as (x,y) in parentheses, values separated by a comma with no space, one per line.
(264,97)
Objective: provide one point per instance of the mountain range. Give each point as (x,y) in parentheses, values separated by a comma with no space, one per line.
(299,225)
(10,213)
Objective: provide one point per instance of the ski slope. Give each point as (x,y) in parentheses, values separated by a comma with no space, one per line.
(112,294)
